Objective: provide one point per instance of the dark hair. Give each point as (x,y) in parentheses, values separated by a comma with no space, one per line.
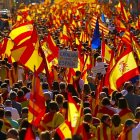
(137,115)
(72,90)
(87,89)
(86,110)
(45,85)
(22,133)
(116,120)
(86,104)
(104,117)
(122,103)
(59,98)
(130,88)
(114,95)
(55,86)
(78,73)
(8,113)
(105,89)
(24,123)
(62,85)
(105,101)
(45,135)
(13,95)
(20,93)
(53,106)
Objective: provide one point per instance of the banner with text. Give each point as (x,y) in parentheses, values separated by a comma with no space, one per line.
(68,59)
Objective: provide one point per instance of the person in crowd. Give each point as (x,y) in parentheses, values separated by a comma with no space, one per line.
(132,99)
(8,116)
(14,112)
(15,104)
(126,133)
(12,134)
(116,125)
(123,110)
(104,129)
(45,135)
(63,91)
(52,119)
(106,108)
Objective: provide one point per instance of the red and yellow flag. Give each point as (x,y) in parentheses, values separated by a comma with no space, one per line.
(36,106)
(124,69)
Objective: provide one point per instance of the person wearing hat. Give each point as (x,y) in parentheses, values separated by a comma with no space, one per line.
(126,133)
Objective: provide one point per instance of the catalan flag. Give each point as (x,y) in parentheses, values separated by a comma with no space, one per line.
(36,106)
(21,33)
(102,27)
(124,69)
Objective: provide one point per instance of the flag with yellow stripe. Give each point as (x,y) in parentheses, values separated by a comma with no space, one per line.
(36,106)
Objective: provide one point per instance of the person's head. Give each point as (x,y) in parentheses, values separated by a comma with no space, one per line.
(24,112)
(129,124)
(55,86)
(137,115)
(12,133)
(116,120)
(122,103)
(1,113)
(53,106)
(113,97)
(105,89)
(99,59)
(59,98)
(20,94)
(13,95)
(45,135)
(22,133)
(126,84)
(87,110)
(90,79)
(87,89)
(8,114)
(45,85)
(106,120)
(25,89)
(88,118)
(47,95)
(62,86)
(24,123)
(117,97)
(77,137)
(102,95)
(1,124)
(105,101)
(8,103)
(137,90)
(130,88)
(78,74)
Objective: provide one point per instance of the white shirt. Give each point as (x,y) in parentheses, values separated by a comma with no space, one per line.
(14,112)
(136,132)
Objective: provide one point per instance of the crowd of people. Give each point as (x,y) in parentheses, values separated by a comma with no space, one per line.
(106,115)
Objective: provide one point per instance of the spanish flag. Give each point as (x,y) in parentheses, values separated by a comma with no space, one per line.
(64,131)
(73,113)
(124,69)
(36,106)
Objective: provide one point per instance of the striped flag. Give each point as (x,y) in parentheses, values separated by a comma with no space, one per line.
(21,33)
(36,106)
(102,27)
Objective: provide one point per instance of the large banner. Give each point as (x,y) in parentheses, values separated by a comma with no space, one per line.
(68,59)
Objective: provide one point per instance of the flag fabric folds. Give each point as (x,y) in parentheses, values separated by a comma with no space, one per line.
(96,42)
(64,131)
(124,69)
(36,106)
(21,33)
